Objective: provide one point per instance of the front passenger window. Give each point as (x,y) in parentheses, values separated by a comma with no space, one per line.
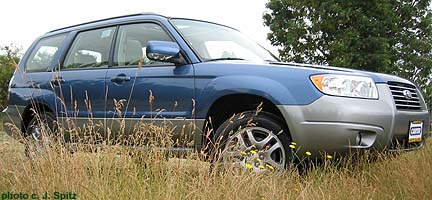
(132,42)
(90,49)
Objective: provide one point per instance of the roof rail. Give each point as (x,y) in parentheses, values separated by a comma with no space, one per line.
(100,20)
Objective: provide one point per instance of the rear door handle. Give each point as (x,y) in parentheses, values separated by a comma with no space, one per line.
(57,81)
(120,78)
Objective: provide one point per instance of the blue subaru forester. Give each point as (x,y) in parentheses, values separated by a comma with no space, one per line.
(211,76)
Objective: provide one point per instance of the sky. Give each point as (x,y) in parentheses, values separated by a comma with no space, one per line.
(22,21)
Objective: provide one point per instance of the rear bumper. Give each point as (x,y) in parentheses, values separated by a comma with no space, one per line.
(338,125)
(12,121)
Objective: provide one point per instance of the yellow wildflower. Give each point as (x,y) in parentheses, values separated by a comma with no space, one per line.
(269,166)
(308,153)
(291,146)
(248,166)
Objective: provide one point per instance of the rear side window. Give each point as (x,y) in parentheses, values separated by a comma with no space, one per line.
(90,49)
(43,54)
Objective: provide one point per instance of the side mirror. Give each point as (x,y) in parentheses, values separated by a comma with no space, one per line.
(163,51)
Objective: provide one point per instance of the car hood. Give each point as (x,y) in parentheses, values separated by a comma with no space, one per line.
(377,77)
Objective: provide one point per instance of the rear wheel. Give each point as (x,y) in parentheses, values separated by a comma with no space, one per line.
(258,142)
(39,130)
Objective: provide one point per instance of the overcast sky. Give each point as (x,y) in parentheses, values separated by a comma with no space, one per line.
(22,21)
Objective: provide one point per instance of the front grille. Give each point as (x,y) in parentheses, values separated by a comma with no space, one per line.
(402,98)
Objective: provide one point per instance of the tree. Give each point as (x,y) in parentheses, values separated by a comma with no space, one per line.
(8,63)
(382,36)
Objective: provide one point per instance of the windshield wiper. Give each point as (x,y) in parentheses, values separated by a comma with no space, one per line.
(228,58)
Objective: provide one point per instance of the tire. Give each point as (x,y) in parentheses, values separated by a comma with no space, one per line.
(38,133)
(253,141)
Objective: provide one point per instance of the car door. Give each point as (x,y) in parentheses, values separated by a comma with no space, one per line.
(80,82)
(141,90)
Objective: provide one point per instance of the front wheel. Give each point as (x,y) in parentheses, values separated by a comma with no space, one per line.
(253,141)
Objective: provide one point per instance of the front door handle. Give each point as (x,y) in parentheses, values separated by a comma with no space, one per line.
(120,78)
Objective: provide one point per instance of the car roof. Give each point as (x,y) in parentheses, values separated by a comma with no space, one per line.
(112,21)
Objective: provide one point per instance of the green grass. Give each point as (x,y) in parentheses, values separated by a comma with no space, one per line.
(118,173)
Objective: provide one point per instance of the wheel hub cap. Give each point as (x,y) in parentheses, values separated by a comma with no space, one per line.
(255,148)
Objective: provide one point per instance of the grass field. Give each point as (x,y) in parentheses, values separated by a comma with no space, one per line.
(117,173)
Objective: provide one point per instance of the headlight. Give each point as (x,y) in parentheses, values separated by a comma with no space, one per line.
(346,86)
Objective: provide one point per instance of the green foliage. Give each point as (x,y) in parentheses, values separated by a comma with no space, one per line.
(8,63)
(382,36)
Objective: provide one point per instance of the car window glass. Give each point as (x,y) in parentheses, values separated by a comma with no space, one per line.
(43,54)
(212,41)
(228,49)
(90,49)
(132,42)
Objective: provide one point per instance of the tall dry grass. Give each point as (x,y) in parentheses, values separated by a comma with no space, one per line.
(118,172)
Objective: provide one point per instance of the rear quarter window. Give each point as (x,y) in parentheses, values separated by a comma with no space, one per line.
(43,53)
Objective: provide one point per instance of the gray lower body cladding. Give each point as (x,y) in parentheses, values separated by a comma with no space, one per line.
(339,125)
(186,131)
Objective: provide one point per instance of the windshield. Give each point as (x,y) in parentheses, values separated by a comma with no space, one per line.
(215,42)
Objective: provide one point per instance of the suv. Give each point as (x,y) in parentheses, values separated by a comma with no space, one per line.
(211,76)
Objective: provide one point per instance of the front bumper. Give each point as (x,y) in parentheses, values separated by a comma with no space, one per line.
(339,125)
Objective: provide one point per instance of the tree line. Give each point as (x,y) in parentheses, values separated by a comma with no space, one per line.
(8,61)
